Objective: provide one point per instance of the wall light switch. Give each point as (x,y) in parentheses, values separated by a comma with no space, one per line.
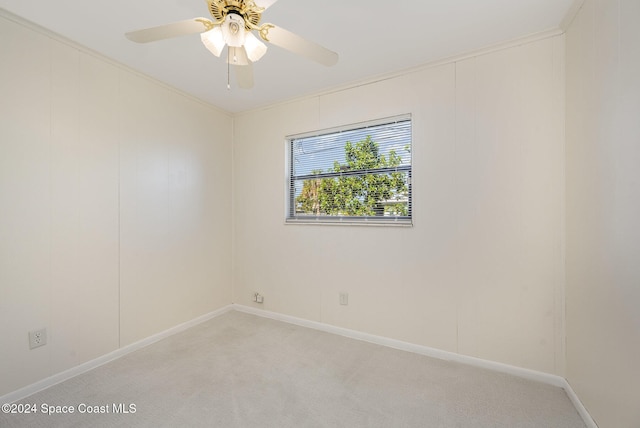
(344,298)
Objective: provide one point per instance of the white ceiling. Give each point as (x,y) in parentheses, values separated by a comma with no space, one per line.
(373,38)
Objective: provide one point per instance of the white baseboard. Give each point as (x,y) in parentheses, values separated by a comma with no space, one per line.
(546,378)
(89,365)
(586,417)
(520,372)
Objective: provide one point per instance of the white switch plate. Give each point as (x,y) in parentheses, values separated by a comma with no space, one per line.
(344,298)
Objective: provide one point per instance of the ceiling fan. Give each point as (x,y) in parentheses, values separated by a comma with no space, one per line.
(233,26)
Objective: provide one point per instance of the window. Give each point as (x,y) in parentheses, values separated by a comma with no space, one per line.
(358,174)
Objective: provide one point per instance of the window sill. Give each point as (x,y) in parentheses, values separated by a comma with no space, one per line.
(366,221)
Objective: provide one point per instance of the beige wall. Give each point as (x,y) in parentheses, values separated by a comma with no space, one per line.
(481,272)
(115,206)
(603,208)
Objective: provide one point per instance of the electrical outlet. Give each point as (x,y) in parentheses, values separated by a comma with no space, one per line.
(258,298)
(37,338)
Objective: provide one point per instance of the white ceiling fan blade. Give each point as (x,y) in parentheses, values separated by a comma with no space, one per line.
(244,75)
(265,3)
(296,44)
(175,29)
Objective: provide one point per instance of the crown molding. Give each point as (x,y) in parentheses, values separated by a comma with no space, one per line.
(571,14)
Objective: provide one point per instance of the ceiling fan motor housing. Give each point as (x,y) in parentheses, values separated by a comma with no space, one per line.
(247,9)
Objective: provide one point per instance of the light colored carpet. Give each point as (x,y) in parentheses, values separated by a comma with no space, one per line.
(239,370)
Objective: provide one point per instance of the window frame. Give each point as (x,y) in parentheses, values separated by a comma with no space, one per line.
(291,179)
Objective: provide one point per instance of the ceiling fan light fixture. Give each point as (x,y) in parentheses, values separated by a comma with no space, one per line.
(255,48)
(234,24)
(213,41)
(233,30)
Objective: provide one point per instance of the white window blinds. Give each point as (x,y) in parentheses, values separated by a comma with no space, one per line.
(352,174)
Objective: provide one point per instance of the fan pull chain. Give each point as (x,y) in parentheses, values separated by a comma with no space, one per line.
(228,69)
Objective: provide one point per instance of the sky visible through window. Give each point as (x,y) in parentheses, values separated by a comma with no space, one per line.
(320,152)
